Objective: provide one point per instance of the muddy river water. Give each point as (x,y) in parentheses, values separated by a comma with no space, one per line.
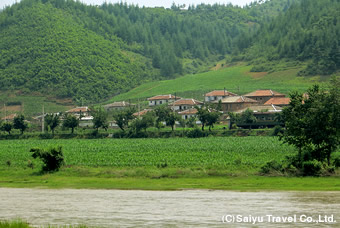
(189,208)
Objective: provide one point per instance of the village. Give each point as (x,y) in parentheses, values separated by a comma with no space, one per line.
(264,105)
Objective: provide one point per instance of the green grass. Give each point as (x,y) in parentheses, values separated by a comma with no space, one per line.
(21,224)
(31,105)
(237,79)
(213,152)
(229,163)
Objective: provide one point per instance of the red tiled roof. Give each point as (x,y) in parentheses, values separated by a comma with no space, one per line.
(220,93)
(264,93)
(141,113)
(78,109)
(191,111)
(278,101)
(163,97)
(191,102)
(237,99)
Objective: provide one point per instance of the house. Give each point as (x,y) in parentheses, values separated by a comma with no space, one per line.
(84,111)
(278,101)
(162,99)
(217,95)
(116,106)
(187,114)
(265,116)
(262,96)
(184,104)
(141,113)
(235,103)
(86,121)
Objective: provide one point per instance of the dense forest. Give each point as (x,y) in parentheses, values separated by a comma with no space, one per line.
(70,49)
(308,31)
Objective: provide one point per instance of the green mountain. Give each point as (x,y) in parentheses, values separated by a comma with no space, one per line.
(67,49)
(309,31)
(44,49)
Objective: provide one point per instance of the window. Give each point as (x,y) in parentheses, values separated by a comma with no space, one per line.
(160,102)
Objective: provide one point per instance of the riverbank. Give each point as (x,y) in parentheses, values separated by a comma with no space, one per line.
(102,178)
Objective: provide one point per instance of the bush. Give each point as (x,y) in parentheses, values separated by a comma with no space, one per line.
(52,158)
(277,130)
(270,167)
(195,133)
(311,168)
(336,161)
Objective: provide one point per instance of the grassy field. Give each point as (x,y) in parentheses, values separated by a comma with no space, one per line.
(31,105)
(237,79)
(230,163)
(231,153)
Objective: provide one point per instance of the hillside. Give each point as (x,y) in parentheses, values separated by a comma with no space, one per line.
(237,79)
(309,31)
(67,49)
(43,49)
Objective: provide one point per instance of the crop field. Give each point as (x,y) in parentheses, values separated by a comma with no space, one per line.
(211,152)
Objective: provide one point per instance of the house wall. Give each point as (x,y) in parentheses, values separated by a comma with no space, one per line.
(184,107)
(232,107)
(159,102)
(214,98)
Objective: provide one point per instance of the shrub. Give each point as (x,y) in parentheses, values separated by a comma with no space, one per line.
(271,166)
(195,133)
(277,130)
(311,168)
(52,158)
(336,161)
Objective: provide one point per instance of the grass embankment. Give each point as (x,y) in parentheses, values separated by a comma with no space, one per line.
(230,163)
(237,79)
(22,224)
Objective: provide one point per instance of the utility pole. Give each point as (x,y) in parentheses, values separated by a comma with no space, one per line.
(5,112)
(43,120)
(138,109)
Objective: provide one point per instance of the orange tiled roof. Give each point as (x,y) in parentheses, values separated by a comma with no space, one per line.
(278,101)
(78,109)
(141,113)
(191,111)
(237,99)
(163,97)
(264,93)
(220,93)
(191,102)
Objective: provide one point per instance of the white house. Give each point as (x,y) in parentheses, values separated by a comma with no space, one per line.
(217,95)
(162,99)
(184,104)
(187,114)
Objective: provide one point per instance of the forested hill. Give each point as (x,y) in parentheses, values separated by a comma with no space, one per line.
(44,49)
(309,31)
(69,49)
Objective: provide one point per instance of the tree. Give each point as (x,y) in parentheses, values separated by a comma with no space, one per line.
(19,123)
(207,117)
(162,113)
(52,158)
(313,123)
(71,121)
(99,118)
(122,118)
(7,126)
(212,118)
(171,120)
(52,121)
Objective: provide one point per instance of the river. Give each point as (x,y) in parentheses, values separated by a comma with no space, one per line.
(188,208)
